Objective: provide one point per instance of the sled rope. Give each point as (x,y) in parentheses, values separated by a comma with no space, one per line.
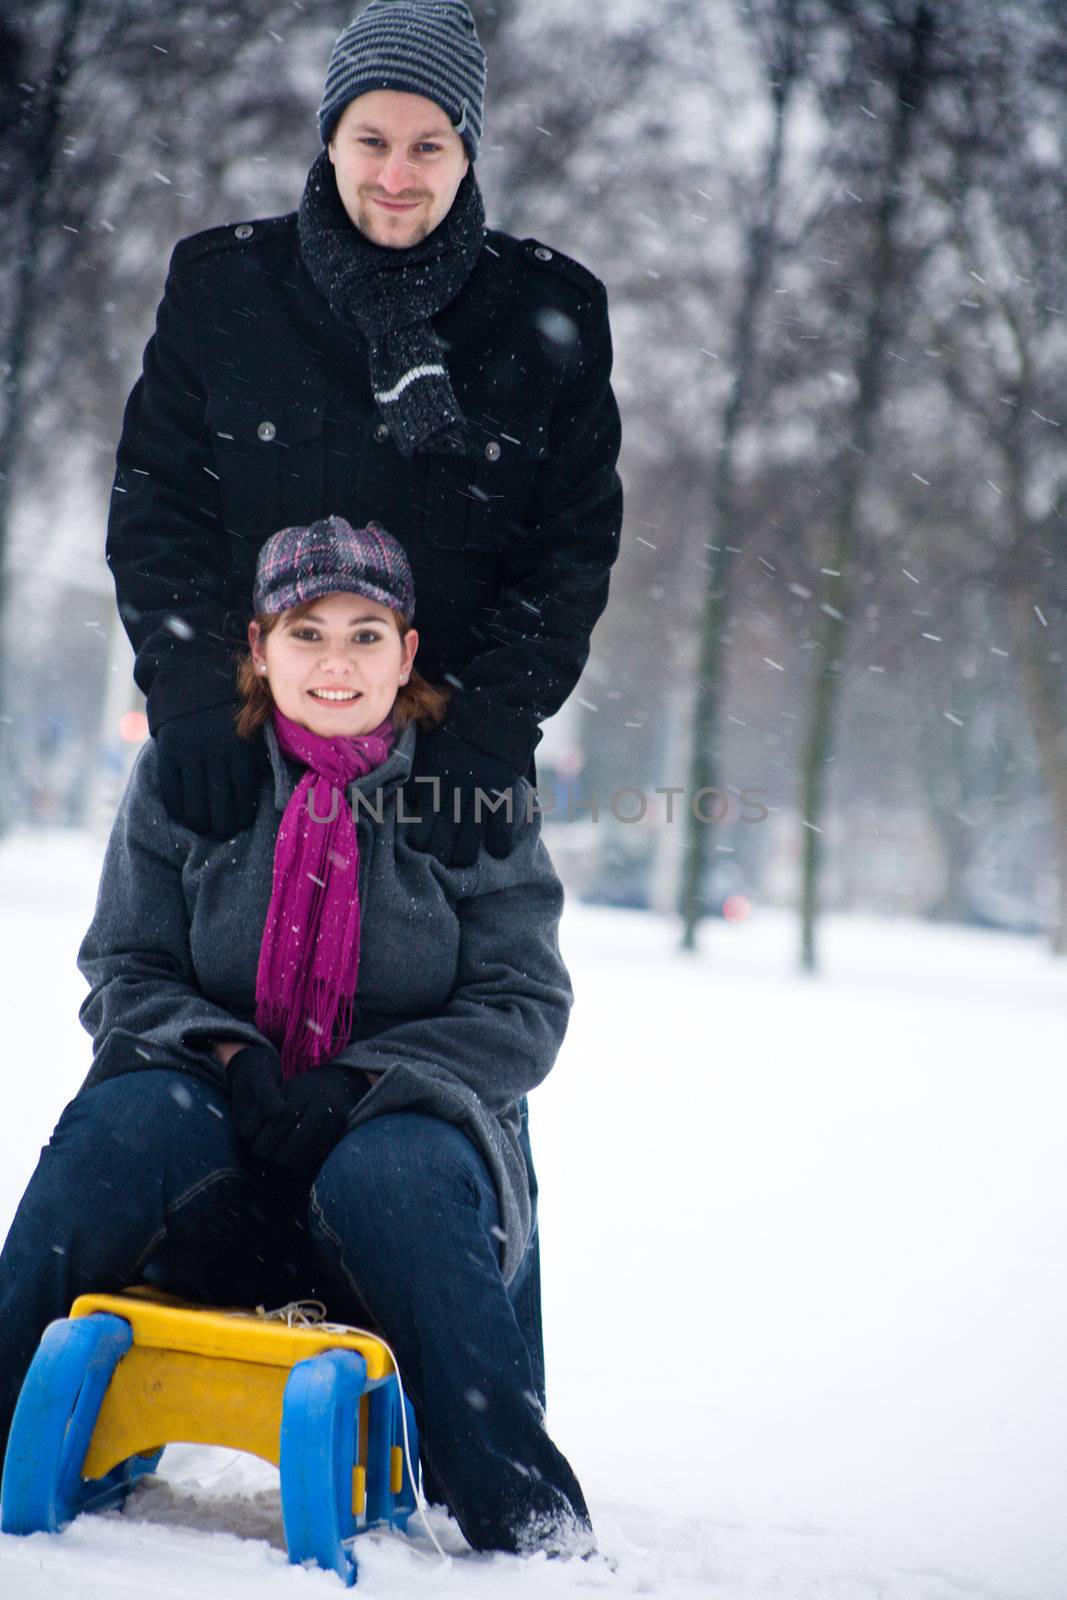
(312,1314)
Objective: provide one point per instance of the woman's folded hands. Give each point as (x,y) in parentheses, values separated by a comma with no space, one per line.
(292,1124)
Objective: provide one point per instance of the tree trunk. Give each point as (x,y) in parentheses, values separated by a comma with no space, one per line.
(1048,720)
(19,330)
(708,694)
(45,148)
(832,639)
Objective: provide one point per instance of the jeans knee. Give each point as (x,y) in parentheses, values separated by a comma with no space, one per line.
(128,1127)
(392,1172)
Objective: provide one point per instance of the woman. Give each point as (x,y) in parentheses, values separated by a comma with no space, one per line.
(312,1045)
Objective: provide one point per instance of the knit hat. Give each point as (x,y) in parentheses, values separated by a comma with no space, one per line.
(330,556)
(426,47)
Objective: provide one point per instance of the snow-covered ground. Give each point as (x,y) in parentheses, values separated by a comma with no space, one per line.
(806,1301)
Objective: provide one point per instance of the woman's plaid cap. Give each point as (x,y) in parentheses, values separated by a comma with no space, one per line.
(330,556)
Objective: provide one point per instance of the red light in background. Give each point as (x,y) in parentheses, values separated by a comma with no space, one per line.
(735,908)
(133,727)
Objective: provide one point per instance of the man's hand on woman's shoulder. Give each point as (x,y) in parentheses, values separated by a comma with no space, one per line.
(453,822)
(209,777)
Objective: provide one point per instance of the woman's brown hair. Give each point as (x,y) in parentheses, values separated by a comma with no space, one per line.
(416,701)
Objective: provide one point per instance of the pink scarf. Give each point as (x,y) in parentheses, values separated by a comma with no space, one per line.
(309,957)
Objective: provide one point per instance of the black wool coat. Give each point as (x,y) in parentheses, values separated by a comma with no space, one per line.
(254,412)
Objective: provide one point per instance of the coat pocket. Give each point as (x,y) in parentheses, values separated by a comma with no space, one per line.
(477,501)
(269,458)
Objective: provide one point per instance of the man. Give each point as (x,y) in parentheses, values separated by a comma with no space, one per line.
(377,354)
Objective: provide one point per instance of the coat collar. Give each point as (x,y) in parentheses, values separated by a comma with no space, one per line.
(486,297)
(393,771)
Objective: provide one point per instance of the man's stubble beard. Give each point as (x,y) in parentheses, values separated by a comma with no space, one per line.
(367,226)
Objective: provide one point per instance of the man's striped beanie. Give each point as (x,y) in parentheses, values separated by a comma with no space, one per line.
(332,557)
(427,47)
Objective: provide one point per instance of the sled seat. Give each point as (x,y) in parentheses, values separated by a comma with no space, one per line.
(126,1374)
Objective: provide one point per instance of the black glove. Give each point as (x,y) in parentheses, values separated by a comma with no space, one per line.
(255,1079)
(461,769)
(209,778)
(316,1109)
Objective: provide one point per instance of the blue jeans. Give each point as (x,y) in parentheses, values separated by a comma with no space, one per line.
(144,1180)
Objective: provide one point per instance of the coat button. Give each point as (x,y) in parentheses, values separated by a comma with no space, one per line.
(243,230)
(381,432)
(266,431)
(542,254)
(492,451)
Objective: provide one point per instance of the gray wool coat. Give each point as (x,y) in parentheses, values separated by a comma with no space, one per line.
(462,998)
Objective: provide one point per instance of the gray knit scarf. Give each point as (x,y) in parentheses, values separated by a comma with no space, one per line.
(391,295)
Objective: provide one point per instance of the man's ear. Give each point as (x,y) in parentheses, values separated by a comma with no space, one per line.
(329,152)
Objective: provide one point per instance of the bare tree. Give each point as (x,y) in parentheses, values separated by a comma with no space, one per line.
(778,28)
(1003,342)
(31,135)
(896,41)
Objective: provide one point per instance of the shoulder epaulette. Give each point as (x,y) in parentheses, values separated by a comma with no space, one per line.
(556,261)
(231,236)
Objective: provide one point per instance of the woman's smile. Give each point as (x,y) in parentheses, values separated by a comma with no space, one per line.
(346,637)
